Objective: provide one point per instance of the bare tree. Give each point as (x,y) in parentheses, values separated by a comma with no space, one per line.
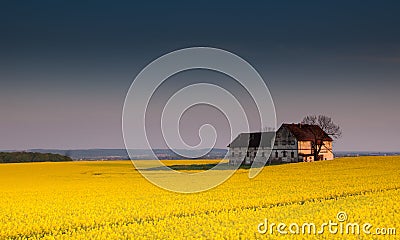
(329,128)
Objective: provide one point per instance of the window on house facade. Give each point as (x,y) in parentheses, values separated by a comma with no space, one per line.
(284,153)
(276,154)
(248,154)
(263,154)
(292,154)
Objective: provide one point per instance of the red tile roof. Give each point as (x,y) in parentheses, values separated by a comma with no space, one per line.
(307,132)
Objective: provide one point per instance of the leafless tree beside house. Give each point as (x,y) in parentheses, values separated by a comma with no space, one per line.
(329,128)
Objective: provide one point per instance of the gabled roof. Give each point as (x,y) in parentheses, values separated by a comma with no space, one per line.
(307,132)
(255,139)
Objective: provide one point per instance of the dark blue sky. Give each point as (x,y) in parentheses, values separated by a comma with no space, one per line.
(66,66)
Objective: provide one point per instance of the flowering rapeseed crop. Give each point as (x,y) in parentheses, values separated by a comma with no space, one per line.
(111,200)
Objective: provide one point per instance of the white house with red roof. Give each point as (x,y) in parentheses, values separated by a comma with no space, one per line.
(291,143)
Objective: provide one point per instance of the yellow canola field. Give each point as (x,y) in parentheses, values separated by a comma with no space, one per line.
(111,200)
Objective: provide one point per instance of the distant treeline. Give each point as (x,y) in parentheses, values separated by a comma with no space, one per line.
(19,157)
(120,154)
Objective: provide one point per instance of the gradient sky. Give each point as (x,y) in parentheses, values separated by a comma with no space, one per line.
(65,66)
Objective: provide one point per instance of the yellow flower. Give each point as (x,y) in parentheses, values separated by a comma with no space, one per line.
(111,200)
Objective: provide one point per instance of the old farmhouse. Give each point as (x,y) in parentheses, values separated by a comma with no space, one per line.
(291,143)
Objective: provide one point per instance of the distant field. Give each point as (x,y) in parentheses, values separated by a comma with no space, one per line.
(111,200)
